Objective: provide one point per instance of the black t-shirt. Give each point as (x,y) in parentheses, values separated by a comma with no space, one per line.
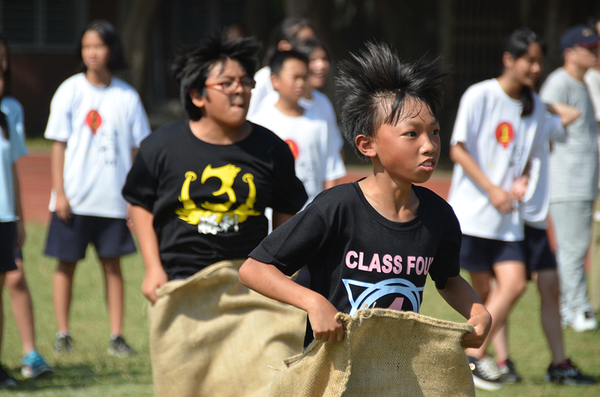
(359,259)
(208,201)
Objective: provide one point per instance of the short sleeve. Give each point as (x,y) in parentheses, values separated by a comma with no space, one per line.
(467,117)
(553,92)
(59,126)
(16,126)
(296,242)
(140,127)
(447,258)
(290,195)
(140,186)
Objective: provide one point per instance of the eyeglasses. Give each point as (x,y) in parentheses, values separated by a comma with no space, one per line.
(230,87)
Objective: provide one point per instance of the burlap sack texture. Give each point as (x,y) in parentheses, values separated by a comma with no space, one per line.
(211,336)
(384,353)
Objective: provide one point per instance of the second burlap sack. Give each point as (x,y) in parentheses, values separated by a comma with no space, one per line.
(384,353)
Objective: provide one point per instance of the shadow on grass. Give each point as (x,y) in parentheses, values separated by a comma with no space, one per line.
(79,376)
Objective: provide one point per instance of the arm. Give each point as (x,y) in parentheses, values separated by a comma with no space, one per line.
(18,208)
(499,198)
(266,279)
(63,208)
(461,297)
(279,218)
(143,227)
(566,113)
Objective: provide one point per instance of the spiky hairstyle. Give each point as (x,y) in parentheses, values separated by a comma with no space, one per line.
(191,67)
(374,86)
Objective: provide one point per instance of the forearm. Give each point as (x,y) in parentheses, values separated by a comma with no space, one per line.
(460,155)
(57,166)
(461,297)
(143,227)
(567,114)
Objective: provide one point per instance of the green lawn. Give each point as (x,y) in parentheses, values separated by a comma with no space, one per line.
(89,371)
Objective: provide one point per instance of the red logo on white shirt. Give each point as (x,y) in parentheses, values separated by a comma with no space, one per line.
(93,120)
(293,148)
(505,133)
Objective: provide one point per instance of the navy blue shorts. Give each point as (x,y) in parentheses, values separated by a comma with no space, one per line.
(68,241)
(537,250)
(8,236)
(481,254)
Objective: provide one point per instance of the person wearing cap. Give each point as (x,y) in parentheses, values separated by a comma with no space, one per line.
(574,174)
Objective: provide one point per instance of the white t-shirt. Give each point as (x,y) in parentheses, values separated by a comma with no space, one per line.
(592,80)
(536,202)
(101,126)
(261,90)
(489,123)
(10,150)
(317,160)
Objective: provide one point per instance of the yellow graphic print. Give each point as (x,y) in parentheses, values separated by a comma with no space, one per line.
(213,218)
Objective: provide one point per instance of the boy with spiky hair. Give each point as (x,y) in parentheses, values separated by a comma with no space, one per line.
(198,190)
(382,232)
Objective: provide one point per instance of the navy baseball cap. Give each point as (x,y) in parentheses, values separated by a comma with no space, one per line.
(580,35)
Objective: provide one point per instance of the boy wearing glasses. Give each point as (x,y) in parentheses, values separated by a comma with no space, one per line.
(198,190)
(318,161)
(574,174)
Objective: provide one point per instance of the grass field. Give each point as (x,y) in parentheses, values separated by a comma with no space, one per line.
(90,371)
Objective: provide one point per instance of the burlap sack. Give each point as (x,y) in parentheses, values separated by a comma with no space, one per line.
(384,353)
(211,336)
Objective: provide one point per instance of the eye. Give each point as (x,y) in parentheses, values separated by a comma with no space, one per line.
(227,84)
(435,132)
(411,134)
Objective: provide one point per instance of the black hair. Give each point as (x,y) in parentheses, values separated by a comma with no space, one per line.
(7,72)
(374,79)
(593,20)
(277,61)
(191,66)
(517,45)
(308,46)
(116,60)
(3,122)
(287,30)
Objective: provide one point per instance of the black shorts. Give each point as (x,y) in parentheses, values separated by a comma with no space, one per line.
(481,254)
(8,236)
(68,241)
(537,250)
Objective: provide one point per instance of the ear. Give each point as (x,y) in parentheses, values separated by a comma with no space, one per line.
(284,45)
(275,82)
(365,146)
(197,99)
(507,60)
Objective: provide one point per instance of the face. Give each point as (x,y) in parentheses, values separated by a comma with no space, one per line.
(318,68)
(3,57)
(527,69)
(409,151)
(584,58)
(305,33)
(94,51)
(291,80)
(226,109)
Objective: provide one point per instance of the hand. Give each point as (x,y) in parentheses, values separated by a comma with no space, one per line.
(20,234)
(153,281)
(63,208)
(481,323)
(501,199)
(326,327)
(129,220)
(519,188)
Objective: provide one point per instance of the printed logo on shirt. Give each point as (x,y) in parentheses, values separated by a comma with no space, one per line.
(505,133)
(363,295)
(213,218)
(293,148)
(93,120)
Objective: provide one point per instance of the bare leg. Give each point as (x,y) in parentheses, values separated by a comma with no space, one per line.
(548,285)
(22,306)
(62,292)
(114,293)
(510,285)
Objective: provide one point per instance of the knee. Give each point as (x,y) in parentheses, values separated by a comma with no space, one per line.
(15,281)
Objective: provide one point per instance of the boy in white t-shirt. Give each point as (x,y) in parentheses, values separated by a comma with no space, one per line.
(318,161)
(97,122)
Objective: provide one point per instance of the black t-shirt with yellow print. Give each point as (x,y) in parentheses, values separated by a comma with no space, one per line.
(208,201)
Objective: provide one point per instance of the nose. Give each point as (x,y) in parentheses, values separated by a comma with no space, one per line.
(430,144)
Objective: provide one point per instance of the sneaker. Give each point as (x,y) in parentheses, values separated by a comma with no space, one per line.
(568,374)
(34,365)
(508,373)
(583,322)
(6,381)
(486,374)
(120,348)
(63,343)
